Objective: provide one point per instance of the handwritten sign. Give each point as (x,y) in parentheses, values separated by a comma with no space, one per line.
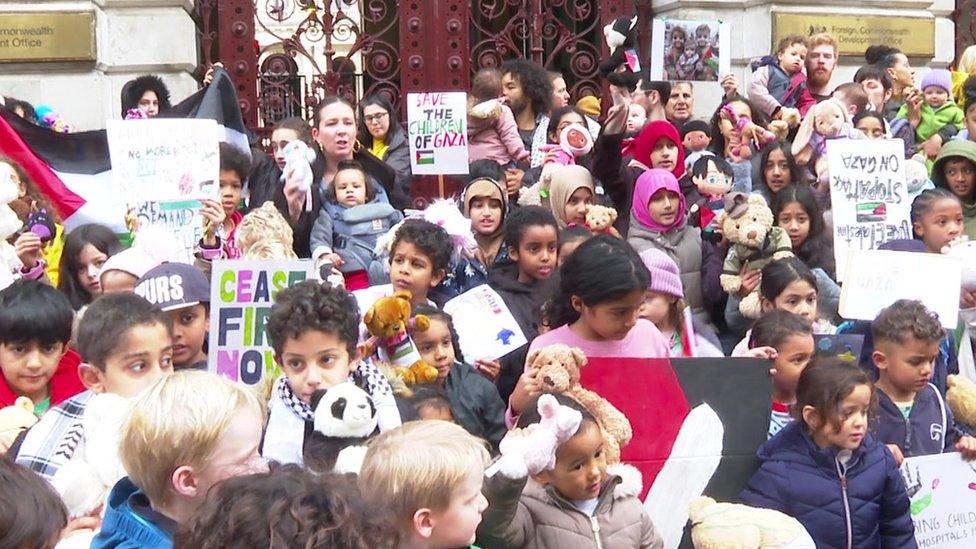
(942,490)
(242,292)
(868,193)
(437,130)
(878,278)
(485,327)
(182,220)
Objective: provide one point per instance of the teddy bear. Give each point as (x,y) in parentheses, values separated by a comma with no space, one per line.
(85,481)
(961,398)
(298,168)
(559,372)
(9,225)
(735,526)
(531,450)
(600,219)
(344,417)
(826,120)
(747,222)
(388,321)
(14,420)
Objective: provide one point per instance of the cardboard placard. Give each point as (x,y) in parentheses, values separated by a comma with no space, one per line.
(486,328)
(242,292)
(696,50)
(437,131)
(942,490)
(868,194)
(877,278)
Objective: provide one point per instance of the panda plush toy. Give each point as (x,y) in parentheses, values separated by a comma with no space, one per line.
(345,417)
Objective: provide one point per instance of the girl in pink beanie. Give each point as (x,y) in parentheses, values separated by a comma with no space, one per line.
(664,305)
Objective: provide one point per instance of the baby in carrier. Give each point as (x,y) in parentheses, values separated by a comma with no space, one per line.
(355,212)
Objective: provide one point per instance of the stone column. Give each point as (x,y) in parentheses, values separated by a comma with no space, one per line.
(132,37)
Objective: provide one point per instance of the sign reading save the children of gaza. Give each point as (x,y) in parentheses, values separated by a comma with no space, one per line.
(242,292)
(437,130)
(868,193)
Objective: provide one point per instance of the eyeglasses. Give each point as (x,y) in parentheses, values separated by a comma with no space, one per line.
(371,118)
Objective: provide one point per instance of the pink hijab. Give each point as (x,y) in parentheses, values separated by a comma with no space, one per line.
(649,183)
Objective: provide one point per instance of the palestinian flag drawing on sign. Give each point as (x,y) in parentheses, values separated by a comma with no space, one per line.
(74,171)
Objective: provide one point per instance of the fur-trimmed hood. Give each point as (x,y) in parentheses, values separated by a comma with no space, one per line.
(133,89)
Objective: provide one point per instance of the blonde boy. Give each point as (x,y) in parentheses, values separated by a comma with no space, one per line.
(186,433)
(428,474)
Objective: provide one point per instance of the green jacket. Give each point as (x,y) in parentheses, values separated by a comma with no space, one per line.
(958,148)
(934,120)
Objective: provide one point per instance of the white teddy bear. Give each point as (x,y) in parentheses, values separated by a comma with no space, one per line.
(9,225)
(298,168)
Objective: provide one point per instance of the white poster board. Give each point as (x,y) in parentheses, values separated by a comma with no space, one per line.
(242,292)
(437,131)
(942,490)
(877,278)
(868,194)
(686,49)
(486,328)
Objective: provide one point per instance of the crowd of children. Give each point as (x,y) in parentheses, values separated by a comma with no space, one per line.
(108,342)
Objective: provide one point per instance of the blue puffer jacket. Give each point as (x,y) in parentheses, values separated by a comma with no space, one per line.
(124,527)
(861,505)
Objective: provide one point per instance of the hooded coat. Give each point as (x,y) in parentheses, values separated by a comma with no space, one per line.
(133,89)
(958,149)
(491,249)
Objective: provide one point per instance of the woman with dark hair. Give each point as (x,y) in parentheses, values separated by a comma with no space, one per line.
(147,93)
(381,134)
(85,251)
(334,136)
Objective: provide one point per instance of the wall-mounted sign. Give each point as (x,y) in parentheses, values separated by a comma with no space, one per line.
(47,36)
(914,36)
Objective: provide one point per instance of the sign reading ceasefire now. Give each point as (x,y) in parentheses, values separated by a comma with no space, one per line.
(914,36)
(47,36)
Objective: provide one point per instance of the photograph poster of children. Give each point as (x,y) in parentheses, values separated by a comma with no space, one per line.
(689,50)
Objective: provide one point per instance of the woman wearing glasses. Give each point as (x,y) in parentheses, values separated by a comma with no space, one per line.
(381,134)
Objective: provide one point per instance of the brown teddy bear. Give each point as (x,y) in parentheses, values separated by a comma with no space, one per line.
(15,419)
(388,321)
(961,398)
(747,222)
(559,367)
(600,219)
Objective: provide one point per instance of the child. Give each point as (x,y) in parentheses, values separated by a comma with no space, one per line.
(914,419)
(826,470)
(354,214)
(664,306)
(872,124)
(574,503)
(419,258)
(287,503)
(35,327)
(852,96)
(485,202)
(688,63)
(186,433)
(658,221)
(695,138)
(492,131)
(126,344)
(787,285)
(933,108)
(31,512)
(601,290)
(182,292)
(314,330)
(795,210)
(792,338)
(428,475)
(571,193)
(777,170)
(86,248)
(937,219)
(569,239)
(221,219)
(636,118)
(778,83)
(431,402)
(474,401)
(31,200)
(122,271)
(531,237)
(955,170)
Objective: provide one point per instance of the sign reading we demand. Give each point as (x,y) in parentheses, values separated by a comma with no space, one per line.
(242,292)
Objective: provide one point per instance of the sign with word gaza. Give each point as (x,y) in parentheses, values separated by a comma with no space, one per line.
(437,130)
(868,194)
(242,292)
(942,491)
(877,278)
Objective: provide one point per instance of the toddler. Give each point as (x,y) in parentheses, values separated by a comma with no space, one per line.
(492,131)
(688,63)
(354,213)
(933,109)
(791,336)
(779,86)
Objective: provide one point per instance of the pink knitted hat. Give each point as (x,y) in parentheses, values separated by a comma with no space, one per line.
(665,276)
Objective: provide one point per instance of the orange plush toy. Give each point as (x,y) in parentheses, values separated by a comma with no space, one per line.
(387,321)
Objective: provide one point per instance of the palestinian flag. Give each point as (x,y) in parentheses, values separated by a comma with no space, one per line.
(74,171)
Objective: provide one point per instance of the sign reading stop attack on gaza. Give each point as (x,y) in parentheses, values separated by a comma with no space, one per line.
(437,130)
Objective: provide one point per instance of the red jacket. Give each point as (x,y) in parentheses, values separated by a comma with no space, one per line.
(65,383)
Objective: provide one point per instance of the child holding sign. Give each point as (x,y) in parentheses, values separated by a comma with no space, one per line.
(221,219)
